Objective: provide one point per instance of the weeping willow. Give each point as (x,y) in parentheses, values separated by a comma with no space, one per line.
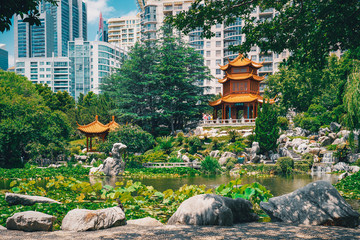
(352,99)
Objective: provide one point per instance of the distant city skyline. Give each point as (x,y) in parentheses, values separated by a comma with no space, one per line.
(109,8)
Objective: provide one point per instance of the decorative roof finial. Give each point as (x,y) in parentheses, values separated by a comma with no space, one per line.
(96,117)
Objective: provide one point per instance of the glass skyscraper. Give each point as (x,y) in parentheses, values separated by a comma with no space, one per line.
(59,25)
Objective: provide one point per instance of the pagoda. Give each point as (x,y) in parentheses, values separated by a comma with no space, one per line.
(241,90)
(96,129)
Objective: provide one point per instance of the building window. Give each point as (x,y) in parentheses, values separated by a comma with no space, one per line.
(253,57)
(218,34)
(42,76)
(218,61)
(218,89)
(218,25)
(48,69)
(208,53)
(208,62)
(218,71)
(41,63)
(218,43)
(218,53)
(236,87)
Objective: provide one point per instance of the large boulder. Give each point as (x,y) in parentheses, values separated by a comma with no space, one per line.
(283,139)
(255,148)
(334,126)
(344,134)
(225,156)
(148,221)
(115,165)
(211,209)
(354,169)
(199,131)
(318,203)
(340,166)
(26,200)
(338,141)
(30,221)
(84,220)
(324,131)
(325,140)
(96,170)
(215,154)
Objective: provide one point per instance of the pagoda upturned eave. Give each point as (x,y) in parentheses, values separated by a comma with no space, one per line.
(241,61)
(240,98)
(241,77)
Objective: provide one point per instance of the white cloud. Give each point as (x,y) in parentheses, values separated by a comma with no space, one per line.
(94,7)
(11,60)
(131,13)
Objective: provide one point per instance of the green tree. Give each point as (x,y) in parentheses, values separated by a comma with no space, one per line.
(352,99)
(159,84)
(26,123)
(309,29)
(266,128)
(27,9)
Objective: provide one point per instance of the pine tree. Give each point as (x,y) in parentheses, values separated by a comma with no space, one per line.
(266,128)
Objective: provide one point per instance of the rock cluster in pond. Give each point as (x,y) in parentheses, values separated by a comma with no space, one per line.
(26,200)
(210,209)
(114,165)
(318,203)
(30,221)
(84,220)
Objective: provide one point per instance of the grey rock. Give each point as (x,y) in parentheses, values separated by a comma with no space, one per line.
(148,221)
(283,138)
(325,140)
(323,131)
(93,162)
(354,169)
(344,134)
(338,141)
(215,154)
(199,131)
(115,165)
(343,175)
(84,220)
(334,126)
(353,157)
(30,221)
(340,166)
(225,156)
(95,170)
(274,157)
(254,158)
(301,132)
(296,142)
(211,209)
(255,148)
(185,158)
(314,151)
(332,135)
(2,228)
(26,200)
(318,203)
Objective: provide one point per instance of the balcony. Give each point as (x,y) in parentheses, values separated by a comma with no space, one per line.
(266,11)
(265,59)
(266,69)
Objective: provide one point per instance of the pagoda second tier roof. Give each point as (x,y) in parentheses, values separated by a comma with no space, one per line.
(241,77)
(239,98)
(94,127)
(241,61)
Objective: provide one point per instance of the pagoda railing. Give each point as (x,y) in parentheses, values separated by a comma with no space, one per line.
(229,122)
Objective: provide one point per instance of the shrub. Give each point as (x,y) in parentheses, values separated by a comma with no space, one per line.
(175,159)
(233,135)
(135,161)
(210,165)
(155,156)
(230,163)
(194,144)
(180,138)
(165,143)
(286,165)
(75,150)
(310,123)
(236,147)
(331,147)
(136,139)
(249,140)
(283,123)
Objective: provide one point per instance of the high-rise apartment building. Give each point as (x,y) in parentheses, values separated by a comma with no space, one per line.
(124,31)
(215,50)
(4,57)
(53,71)
(90,63)
(59,24)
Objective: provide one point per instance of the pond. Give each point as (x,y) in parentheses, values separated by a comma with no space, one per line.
(278,185)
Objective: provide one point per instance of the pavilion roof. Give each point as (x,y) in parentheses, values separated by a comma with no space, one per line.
(94,127)
(241,76)
(112,125)
(239,98)
(241,61)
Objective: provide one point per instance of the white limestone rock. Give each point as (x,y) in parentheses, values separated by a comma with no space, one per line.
(148,221)
(30,221)
(26,200)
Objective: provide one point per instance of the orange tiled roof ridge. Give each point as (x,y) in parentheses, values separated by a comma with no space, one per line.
(241,61)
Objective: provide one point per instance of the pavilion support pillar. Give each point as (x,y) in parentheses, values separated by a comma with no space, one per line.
(87,143)
(90,143)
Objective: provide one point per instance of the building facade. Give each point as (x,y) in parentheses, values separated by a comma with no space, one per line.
(124,31)
(215,50)
(4,57)
(59,24)
(53,71)
(90,62)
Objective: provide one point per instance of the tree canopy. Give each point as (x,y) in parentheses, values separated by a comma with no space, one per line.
(309,29)
(27,9)
(159,84)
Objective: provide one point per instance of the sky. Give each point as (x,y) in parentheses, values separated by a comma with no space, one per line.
(109,9)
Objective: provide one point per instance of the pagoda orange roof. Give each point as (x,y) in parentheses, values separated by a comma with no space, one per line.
(239,98)
(241,61)
(94,127)
(112,125)
(241,77)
